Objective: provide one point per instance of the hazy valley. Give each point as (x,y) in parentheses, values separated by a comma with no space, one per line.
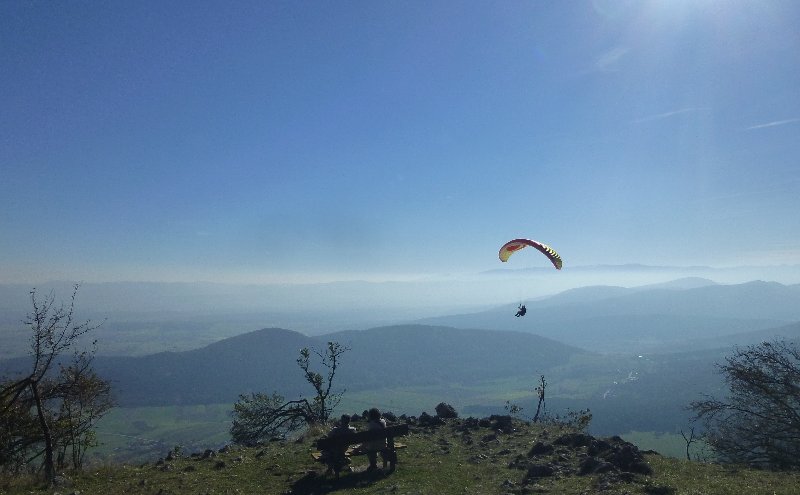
(634,356)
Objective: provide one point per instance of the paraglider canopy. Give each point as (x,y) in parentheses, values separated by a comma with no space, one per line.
(515,245)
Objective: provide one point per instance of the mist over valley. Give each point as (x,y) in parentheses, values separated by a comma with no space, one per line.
(634,356)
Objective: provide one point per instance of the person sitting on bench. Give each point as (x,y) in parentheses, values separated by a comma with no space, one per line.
(376,422)
(338,459)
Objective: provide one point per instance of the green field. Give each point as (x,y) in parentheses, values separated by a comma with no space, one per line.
(668,444)
(133,434)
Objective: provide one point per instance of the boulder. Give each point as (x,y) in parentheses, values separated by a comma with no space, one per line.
(605,455)
(426,419)
(540,471)
(540,448)
(503,423)
(574,440)
(446,411)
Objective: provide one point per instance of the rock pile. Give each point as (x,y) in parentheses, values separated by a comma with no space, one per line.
(613,459)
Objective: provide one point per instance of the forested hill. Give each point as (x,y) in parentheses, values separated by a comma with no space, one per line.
(265,361)
(260,361)
(421,354)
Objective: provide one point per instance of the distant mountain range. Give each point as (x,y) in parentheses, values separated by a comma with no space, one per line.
(320,308)
(682,314)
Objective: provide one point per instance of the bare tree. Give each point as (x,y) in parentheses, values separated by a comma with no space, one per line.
(540,407)
(759,422)
(260,416)
(19,432)
(689,439)
(325,401)
(85,398)
(54,332)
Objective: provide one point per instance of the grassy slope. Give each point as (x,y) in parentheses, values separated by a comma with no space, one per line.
(449,459)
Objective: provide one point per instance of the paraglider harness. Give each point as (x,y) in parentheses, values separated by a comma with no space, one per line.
(521,311)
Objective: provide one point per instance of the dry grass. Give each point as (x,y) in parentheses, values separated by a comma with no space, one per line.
(455,458)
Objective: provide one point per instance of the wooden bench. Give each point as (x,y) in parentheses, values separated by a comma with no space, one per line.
(350,445)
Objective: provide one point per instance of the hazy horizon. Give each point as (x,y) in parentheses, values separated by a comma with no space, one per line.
(395,300)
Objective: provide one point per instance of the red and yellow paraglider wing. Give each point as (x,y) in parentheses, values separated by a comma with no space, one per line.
(511,247)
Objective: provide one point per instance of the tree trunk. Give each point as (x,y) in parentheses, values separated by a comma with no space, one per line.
(49,469)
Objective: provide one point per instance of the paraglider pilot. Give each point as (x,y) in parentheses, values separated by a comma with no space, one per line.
(521,310)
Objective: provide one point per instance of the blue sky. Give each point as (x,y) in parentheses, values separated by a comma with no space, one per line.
(272,141)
